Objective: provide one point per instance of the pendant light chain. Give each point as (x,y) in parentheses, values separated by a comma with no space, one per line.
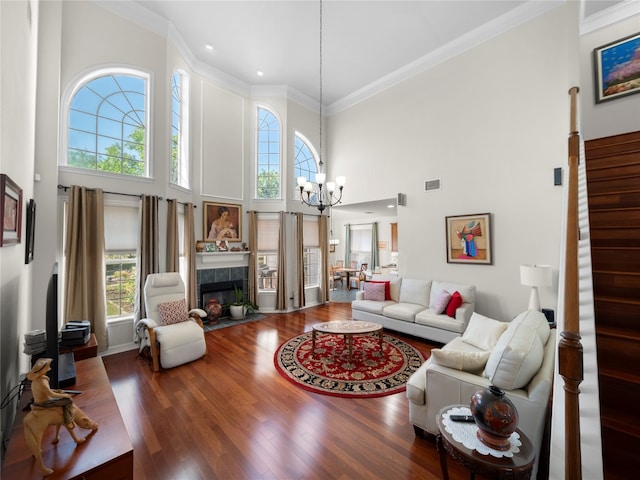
(321,163)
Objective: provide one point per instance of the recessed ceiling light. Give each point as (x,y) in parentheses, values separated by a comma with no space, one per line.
(391,206)
(209,47)
(260,73)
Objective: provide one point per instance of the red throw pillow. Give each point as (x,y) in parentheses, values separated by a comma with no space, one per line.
(454,303)
(387,287)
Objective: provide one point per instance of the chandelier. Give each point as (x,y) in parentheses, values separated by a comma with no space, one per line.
(320,194)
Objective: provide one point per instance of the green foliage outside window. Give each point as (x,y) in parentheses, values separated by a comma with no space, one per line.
(121,284)
(268,184)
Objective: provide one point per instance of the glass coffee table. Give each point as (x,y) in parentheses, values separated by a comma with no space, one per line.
(347,328)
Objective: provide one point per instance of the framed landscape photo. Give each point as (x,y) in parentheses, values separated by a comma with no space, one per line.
(617,68)
(10,211)
(31,231)
(469,239)
(222,221)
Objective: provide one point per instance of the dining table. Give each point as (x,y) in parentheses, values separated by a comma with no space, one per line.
(348,272)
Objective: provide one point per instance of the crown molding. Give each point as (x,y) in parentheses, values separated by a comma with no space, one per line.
(609,16)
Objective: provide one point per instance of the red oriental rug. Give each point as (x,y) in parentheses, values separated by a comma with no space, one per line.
(369,372)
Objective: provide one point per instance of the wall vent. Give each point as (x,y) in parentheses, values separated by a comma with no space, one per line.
(432,185)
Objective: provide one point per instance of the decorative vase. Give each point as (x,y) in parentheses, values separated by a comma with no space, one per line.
(496,417)
(199,246)
(214,310)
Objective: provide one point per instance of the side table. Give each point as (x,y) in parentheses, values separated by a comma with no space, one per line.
(519,466)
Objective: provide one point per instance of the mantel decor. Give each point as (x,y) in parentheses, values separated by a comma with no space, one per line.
(221,221)
(617,68)
(10,211)
(469,239)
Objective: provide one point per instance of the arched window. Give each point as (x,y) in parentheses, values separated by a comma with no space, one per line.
(179,169)
(305,161)
(107,123)
(268,150)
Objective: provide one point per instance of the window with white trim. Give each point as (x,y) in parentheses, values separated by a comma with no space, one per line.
(268,155)
(179,166)
(311,244)
(361,243)
(305,162)
(107,123)
(267,256)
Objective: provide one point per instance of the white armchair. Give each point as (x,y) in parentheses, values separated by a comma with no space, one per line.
(173,335)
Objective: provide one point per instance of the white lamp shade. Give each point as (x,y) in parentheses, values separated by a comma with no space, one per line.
(535,275)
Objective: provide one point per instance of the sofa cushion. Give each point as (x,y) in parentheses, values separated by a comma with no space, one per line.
(415,291)
(374,291)
(402,311)
(536,320)
(454,303)
(173,312)
(483,332)
(467,361)
(441,302)
(431,319)
(516,358)
(371,306)
(467,292)
(387,287)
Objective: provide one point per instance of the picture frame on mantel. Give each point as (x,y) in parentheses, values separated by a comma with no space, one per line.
(221,221)
(10,211)
(616,72)
(469,239)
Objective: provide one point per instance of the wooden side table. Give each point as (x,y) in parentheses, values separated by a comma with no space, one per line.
(519,466)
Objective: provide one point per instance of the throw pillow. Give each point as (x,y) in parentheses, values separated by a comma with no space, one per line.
(441,302)
(467,361)
(516,358)
(374,291)
(536,320)
(454,303)
(173,312)
(387,287)
(483,332)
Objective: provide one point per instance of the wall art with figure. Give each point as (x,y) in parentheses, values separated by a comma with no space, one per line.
(222,221)
(469,239)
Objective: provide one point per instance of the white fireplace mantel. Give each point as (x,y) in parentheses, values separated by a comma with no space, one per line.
(222,259)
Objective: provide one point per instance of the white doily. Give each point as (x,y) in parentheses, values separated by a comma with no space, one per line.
(466,434)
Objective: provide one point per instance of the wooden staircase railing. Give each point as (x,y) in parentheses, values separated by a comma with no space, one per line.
(570,355)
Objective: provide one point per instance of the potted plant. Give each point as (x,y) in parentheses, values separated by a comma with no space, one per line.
(240,307)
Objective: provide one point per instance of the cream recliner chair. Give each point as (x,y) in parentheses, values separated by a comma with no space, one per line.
(174,335)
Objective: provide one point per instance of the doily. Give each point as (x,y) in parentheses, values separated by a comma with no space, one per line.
(466,434)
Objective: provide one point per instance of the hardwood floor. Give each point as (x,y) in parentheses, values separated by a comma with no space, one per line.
(230,415)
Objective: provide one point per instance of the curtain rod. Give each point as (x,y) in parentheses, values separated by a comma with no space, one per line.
(65,188)
(290,213)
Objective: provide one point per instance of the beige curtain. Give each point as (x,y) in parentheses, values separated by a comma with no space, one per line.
(84,290)
(323,234)
(300,259)
(282,301)
(147,250)
(253,257)
(173,243)
(190,255)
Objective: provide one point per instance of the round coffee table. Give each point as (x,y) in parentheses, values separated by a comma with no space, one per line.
(347,328)
(519,466)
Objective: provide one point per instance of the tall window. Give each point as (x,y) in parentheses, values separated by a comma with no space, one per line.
(305,162)
(107,123)
(268,149)
(179,171)
(121,241)
(267,258)
(361,243)
(311,244)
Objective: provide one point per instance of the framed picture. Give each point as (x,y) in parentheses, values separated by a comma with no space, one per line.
(31,231)
(616,72)
(332,248)
(10,211)
(469,239)
(222,221)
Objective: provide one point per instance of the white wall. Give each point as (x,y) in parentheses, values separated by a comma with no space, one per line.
(492,124)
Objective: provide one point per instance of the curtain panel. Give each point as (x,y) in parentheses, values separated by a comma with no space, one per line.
(300,259)
(147,251)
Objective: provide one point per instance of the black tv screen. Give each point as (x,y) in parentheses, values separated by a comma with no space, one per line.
(51,327)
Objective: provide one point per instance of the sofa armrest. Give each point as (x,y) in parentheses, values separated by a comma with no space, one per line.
(360,295)
(539,387)
(464,312)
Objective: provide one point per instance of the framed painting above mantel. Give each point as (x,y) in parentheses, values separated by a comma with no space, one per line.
(222,221)
(469,239)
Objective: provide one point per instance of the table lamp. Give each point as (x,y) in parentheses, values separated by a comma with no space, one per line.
(535,276)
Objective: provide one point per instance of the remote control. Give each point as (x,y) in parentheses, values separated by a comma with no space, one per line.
(462,418)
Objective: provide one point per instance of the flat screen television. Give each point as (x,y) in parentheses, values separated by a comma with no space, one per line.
(63,370)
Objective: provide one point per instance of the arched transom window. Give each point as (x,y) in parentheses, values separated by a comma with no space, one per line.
(268,150)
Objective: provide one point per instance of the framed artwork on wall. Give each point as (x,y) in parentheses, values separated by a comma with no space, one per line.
(469,239)
(617,68)
(222,221)
(31,231)
(10,211)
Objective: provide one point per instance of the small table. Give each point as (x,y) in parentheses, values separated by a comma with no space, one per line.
(348,328)
(348,271)
(519,466)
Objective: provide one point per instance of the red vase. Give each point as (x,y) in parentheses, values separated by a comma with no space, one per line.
(214,310)
(496,417)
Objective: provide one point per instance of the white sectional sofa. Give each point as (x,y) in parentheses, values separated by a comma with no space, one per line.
(517,356)
(411,307)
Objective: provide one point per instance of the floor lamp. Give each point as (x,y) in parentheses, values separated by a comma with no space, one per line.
(535,276)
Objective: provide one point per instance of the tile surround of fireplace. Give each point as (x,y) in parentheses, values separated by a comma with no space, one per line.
(219,283)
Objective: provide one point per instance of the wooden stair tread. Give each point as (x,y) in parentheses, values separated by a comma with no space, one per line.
(625,301)
(626,376)
(619,424)
(614,332)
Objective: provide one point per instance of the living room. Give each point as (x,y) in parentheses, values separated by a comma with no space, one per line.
(490,122)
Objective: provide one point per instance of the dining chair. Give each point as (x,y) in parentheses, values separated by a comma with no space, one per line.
(361,277)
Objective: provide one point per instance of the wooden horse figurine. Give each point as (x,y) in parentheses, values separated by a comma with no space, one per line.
(50,407)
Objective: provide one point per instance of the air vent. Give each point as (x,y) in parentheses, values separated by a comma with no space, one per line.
(432,185)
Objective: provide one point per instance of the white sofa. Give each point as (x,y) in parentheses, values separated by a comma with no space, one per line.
(517,356)
(410,308)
